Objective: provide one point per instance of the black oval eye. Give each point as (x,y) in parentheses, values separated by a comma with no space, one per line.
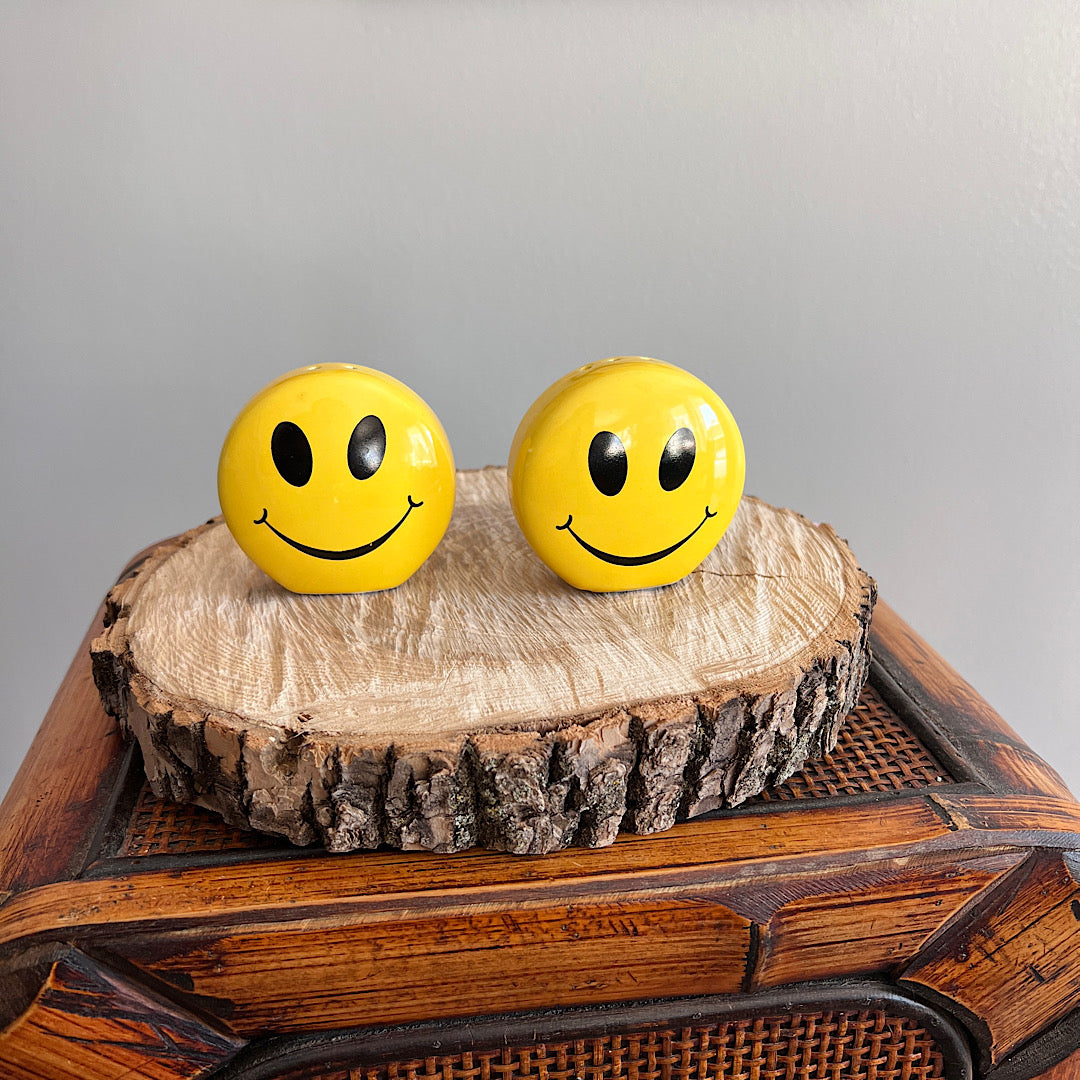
(291,452)
(607,463)
(677,459)
(367,445)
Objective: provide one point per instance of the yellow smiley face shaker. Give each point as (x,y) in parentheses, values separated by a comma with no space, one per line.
(337,478)
(625,473)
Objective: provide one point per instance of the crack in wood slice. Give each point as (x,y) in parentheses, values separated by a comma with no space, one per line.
(484,701)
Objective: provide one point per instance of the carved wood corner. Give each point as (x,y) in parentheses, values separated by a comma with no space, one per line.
(88,1021)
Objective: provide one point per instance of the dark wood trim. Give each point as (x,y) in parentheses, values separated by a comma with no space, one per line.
(693,854)
(51,814)
(50,819)
(22,977)
(1051,1049)
(1012,961)
(115,819)
(935,738)
(931,681)
(952,710)
(267,1059)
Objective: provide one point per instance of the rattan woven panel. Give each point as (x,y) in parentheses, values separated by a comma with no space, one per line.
(158,827)
(866,1045)
(874,752)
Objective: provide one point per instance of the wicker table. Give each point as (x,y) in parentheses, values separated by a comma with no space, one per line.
(906,908)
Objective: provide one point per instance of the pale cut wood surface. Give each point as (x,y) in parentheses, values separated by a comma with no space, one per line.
(485,700)
(484,635)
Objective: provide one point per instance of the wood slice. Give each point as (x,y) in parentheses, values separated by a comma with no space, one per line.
(485,701)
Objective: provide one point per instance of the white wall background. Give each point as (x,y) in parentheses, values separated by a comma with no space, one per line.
(859,222)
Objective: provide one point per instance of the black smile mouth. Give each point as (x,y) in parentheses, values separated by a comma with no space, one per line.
(631,560)
(351,553)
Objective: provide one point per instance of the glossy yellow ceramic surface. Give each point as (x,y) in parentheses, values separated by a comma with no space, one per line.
(625,473)
(335,479)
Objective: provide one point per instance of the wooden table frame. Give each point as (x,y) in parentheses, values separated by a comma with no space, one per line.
(955,903)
